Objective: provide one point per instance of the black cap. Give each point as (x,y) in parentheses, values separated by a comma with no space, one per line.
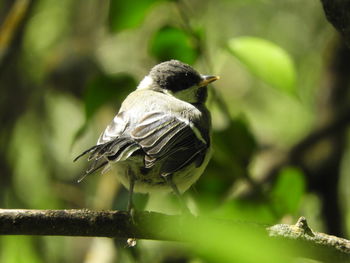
(174,75)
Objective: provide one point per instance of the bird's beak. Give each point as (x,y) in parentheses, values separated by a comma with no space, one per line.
(206,79)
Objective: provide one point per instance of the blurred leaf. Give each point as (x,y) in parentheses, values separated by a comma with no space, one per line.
(223,241)
(45,30)
(78,134)
(288,191)
(250,210)
(266,60)
(173,43)
(232,151)
(104,89)
(234,142)
(31,173)
(17,249)
(128,14)
(212,187)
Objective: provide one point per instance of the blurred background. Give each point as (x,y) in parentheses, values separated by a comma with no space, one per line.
(279,113)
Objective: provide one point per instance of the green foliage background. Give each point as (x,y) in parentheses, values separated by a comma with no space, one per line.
(70,65)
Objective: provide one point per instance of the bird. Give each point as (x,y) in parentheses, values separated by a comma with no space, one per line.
(160,140)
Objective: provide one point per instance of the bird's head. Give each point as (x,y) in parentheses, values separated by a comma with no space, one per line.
(178,79)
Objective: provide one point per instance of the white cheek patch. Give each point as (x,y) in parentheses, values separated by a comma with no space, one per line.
(146,83)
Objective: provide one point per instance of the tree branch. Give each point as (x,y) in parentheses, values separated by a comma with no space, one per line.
(82,222)
(151,225)
(301,231)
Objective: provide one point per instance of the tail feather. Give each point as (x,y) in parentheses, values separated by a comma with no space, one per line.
(92,169)
(85,152)
(117,150)
(99,151)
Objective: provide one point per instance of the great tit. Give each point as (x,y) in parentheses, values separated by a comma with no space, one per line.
(160,140)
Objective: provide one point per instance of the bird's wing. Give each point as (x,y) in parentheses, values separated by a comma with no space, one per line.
(172,140)
(113,145)
(161,136)
(115,129)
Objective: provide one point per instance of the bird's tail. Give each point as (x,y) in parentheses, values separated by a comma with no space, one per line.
(95,154)
(117,150)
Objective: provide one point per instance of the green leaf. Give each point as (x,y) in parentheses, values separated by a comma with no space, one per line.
(233,148)
(128,14)
(102,90)
(16,249)
(236,141)
(173,43)
(288,191)
(222,241)
(105,89)
(266,60)
(78,134)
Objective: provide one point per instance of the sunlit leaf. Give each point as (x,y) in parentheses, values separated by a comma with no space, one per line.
(173,43)
(128,14)
(266,60)
(288,191)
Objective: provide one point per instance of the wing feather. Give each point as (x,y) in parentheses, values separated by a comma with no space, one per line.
(170,139)
(163,138)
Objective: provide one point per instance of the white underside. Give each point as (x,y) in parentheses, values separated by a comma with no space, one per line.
(183,179)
